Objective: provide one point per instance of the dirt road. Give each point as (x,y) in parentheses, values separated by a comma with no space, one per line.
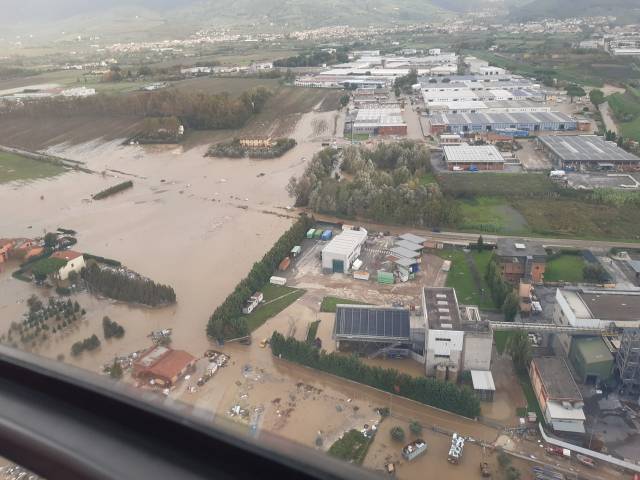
(607,117)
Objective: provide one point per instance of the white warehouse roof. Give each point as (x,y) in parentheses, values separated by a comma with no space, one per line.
(482,380)
(472,154)
(346,242)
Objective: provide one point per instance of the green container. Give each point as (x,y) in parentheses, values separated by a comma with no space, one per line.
(310,232)
(385,278)
(317,234)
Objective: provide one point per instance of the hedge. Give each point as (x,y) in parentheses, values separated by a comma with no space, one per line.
(113,190)
(429,391)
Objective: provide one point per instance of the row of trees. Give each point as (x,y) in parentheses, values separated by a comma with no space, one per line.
(386,186)
(227,321)
(107,192)
(88,344)
(315,58)
(123,286)
(403,84)
(234,149)
(197,110)
(436,393)
(502,292)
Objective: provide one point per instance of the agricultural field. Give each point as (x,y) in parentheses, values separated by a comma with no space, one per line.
(495,184)
(18,168)
(491,214)
(626,108)
(565,268)
(234,86)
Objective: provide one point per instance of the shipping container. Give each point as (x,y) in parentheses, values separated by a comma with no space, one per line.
(310,232)
(317,234)
(278,281)
(385,277)
(295,251)
(284,264)
(327,234)
(361,275)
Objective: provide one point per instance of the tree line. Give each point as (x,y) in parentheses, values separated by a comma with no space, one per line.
(111,328)
(88,344)
(502,292)
(385,187)
(227,320)
(234,149)
(127,287)
(429,391)
(197,110)
(113,190)
(314,58)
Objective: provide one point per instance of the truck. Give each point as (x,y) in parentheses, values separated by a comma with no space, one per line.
(456,449)
(278,281)
(558,451)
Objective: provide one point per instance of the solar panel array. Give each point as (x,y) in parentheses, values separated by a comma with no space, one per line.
(366,321)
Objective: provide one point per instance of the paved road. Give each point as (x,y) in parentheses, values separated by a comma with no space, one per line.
(607,117)
(463,238)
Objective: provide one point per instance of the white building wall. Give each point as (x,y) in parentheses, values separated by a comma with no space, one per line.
(74,265)
(477,351)
(451,341)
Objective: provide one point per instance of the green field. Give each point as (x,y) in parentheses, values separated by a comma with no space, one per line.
(329,303)
(501,337)
(352,447)
(466,185)
(565,268)
(427,178)
(461,278)
(276,299)
(313,331)
(18,168)
(492,215)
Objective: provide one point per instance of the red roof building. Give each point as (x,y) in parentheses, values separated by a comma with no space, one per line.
(164,365)
(66,255)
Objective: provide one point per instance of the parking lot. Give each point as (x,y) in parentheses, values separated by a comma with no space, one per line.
(602,180)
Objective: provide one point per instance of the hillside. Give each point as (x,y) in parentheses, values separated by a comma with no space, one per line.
(537,9)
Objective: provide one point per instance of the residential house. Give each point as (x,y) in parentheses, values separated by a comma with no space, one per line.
(75,262)
(521,259)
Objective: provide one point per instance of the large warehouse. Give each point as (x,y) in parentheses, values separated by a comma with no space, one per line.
(368,323)
(587,152)
(467,157)
(379,121)
(340,253)
(529,122)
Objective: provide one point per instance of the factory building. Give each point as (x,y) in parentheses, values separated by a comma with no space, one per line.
(587,152)
(374,121)
(340,253)
(519,124)
(558,395)
(591,359)
(379,326)
(595,308)
(467,157)
(456,338)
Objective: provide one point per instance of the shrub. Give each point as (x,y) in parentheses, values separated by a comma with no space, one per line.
(415,427)
(113,190)
(397,434)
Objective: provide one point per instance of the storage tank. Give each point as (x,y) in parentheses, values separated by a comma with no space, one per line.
(453,374)
(441,372)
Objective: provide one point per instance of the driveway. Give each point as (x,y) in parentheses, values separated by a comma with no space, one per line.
(607,117)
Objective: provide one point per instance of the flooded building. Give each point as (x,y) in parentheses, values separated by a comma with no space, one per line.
(75,262)
(558,395)
(456,337)
(163,365)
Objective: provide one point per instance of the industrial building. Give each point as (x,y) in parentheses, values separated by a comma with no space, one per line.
(558,395)
(591,360)
(483,385)
(379,121)
(588,152)
(519,123)
(340,253)
(163,365)
(467,157)
(521,260)
(628,359)
(456,337)
(379,326)
(488,106)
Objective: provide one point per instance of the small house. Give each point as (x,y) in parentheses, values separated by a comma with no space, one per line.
(75,262)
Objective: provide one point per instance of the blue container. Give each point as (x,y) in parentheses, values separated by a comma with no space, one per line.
(326,235)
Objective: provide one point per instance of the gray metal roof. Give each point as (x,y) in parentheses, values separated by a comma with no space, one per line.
(472,154)
(501,118)
(346,242)
(364,322)
(586,148)
(405,262)
(404,252)
(557,379)
(482,380)
(410,237)
(414,247)
(512,247)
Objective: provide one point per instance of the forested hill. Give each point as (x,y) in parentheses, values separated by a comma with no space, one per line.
(537,9)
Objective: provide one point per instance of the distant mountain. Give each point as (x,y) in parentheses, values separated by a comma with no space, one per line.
(537,9)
